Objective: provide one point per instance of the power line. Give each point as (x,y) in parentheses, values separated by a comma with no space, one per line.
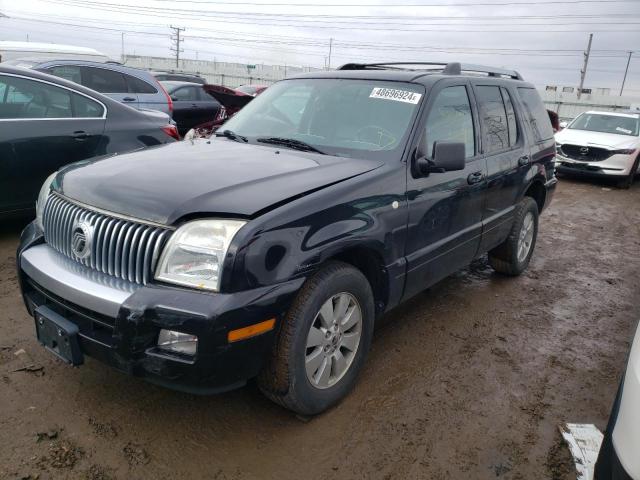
(471,4)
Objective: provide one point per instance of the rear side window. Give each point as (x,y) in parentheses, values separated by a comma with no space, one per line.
(493,115)
(512,124)
(139,86)
(536,114)
(68,72)
(29,99)
(103,80)
(186,94)
(450,120)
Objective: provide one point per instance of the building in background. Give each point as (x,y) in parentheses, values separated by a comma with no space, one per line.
(565,102)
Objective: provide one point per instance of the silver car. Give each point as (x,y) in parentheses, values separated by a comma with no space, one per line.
(132,86)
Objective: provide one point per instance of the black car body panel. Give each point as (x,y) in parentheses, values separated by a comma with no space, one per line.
(216,177)
(33,148)
(404,231)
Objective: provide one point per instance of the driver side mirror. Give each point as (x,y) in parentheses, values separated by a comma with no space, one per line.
(447,157)
(563,124)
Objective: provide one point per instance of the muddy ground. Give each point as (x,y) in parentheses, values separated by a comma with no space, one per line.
(468,380)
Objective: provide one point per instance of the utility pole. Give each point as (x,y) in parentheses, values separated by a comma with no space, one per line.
(330,47)
(583,72)
(122,55)
(176,42)
(625,73)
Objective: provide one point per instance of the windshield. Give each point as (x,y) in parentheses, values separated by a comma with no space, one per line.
(247,89)
(600,122)
(344,117)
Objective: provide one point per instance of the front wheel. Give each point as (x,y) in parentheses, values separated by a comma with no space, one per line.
(627,181)
(322,342)
(513,255)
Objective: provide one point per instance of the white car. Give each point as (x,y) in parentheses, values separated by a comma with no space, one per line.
(604,144)
(619,457)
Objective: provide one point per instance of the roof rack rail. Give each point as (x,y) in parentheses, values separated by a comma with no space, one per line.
(450,68)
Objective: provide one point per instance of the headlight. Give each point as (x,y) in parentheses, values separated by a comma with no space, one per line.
(195,253)
(624,151)
(42,198)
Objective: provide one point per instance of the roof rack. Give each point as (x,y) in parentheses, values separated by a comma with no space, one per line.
(451,68)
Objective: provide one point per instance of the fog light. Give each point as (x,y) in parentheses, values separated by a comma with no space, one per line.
(178,342)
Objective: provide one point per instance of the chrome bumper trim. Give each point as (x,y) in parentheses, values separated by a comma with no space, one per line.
(76,283)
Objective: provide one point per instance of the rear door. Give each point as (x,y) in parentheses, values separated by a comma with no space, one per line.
(148,94)
(42,128)
(110,83)
(445,209)
(186,107)
(209,106)
(504,149)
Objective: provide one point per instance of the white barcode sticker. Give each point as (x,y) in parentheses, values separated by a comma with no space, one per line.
(406,96)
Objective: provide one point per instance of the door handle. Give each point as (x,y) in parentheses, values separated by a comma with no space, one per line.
(80,135)
(195,105)
(128,99)
(475,177)
(524,160)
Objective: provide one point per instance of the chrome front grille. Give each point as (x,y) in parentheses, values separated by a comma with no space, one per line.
(120,247)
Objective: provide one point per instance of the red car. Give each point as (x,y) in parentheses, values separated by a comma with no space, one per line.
(231,102)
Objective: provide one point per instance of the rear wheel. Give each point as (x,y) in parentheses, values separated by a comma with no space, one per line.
(322,342)
(513,255)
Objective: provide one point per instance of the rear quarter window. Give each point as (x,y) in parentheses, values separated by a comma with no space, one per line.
(536,114)
(137,85)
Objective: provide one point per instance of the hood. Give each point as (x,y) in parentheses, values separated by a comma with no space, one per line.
(163,184)
(597,139)
(228,97)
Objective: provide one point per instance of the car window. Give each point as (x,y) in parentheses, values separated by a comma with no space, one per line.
(292,103)
(601,122)
(537,115)
(185,94)
(450,120)
(512,124)
(137,85)
(345,117)
(68,72)
(103,80)
(493,116)
(24,98)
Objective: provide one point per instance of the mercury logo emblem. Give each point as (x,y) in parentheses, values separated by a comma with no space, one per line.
(584,150)
(81,236)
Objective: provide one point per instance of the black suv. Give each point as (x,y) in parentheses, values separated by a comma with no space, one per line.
(270,250)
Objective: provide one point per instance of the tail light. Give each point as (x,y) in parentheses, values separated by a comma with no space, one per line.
(172,131)
(169,101)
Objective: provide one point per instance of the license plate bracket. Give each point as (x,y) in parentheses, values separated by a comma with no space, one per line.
(58,335)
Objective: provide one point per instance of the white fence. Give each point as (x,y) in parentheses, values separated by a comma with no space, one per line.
(220,73)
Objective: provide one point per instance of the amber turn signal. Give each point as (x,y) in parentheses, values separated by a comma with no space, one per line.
(251,330)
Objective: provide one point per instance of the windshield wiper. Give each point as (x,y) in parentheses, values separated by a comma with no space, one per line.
(232,136)
(290,143)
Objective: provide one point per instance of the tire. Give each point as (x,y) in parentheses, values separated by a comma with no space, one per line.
(285,379)
(628,180)
(505,258)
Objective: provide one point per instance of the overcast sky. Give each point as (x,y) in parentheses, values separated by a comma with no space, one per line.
(543,39)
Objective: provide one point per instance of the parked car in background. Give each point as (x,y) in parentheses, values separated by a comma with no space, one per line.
(192,105)
(47,122)
(619,457)
(178,77)
(271,250)
(132,86)
(601,144)
(253,90)
(231,102)
(17,52)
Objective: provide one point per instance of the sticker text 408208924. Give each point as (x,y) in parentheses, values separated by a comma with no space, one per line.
(406,96)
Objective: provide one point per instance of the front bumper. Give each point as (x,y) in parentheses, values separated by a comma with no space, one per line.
(614,166)
(119,322)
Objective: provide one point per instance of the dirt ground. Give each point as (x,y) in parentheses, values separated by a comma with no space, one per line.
(468,380)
